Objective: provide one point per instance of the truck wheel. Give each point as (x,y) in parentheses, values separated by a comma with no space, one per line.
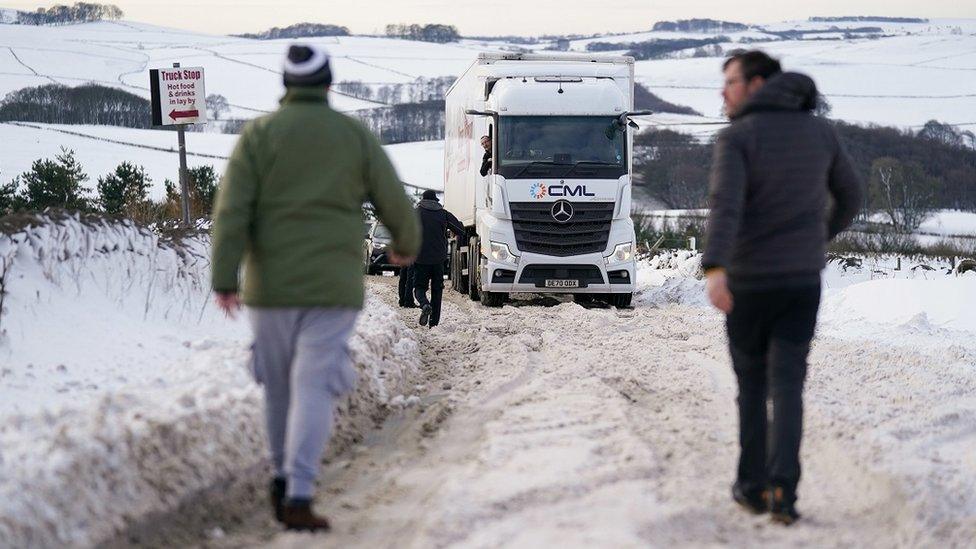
(493,299)
(452,272)
(620,301)
(474,280)
(459,281)
(583,299)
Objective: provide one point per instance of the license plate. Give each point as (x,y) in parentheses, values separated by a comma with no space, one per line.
(559,283)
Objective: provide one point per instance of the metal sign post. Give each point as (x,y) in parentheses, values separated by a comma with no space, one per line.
(179,99)
(184,174)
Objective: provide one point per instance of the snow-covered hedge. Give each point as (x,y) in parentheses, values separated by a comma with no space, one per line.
(125,391)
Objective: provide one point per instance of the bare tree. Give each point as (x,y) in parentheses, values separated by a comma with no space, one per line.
(903,192)
(217,105)
(941,133)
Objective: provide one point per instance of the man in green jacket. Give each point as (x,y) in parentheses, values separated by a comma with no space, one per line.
(290,208)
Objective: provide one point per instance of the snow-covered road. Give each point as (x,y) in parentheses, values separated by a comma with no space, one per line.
(126,410)
(563,426)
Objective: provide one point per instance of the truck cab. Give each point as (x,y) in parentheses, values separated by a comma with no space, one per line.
(553,213)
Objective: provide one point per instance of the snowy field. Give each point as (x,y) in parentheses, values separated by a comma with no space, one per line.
(915,73)
(100,149)
(247,72)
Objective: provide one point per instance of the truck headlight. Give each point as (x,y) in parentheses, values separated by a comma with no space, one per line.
(501,253)
(621,254)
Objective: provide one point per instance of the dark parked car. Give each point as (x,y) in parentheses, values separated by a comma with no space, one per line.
(375,261)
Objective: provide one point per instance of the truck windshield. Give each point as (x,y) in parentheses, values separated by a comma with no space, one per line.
(584,147)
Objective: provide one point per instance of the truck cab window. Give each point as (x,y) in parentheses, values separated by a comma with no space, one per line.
(560,146)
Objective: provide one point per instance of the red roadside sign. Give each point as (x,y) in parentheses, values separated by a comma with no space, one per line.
(178,96)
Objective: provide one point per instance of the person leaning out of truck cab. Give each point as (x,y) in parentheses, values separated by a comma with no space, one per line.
(486,159)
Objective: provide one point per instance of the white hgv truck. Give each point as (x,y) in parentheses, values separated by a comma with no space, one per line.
(552,215)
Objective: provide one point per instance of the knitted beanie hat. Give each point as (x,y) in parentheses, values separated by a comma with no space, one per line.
(307,65)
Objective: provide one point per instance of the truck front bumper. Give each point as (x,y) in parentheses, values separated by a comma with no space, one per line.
(591,273)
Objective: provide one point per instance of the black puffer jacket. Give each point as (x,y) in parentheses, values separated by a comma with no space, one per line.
(435,221)
(781,186)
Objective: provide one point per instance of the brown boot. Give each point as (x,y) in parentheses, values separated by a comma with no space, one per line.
(298,515)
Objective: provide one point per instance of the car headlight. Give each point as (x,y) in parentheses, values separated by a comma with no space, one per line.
(501,253)
(622,253)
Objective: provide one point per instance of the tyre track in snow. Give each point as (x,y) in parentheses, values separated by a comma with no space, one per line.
(544,426)
(514,437)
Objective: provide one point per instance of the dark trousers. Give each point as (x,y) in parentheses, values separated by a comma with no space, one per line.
(769,339)
(432,277)
(406,286)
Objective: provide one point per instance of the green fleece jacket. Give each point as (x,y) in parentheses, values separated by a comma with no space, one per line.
(290,207)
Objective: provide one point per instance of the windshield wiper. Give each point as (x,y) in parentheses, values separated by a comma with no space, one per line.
(535,163)
(590,163)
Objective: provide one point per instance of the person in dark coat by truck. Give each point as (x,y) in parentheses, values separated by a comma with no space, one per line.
(428,270)
(781,186)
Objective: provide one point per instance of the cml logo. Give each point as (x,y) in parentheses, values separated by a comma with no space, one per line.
(566,190)
(538,190)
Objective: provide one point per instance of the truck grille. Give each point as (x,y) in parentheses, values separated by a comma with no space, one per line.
(537,232)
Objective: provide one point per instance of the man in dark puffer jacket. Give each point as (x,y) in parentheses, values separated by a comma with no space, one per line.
(781,186)
(428,271)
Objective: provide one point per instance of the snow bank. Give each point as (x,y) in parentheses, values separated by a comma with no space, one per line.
(671,277)
(950,223)
(912,303)
(893,308)
(940,223)
(125,391)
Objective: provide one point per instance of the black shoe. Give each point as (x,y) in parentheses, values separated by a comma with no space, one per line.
(425,315)
(781,506)
(753,500)
(277,490)
(298,515)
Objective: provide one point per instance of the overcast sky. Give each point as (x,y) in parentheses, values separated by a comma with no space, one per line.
(500,17)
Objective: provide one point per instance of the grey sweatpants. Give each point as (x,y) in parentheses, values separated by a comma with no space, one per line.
(301,357)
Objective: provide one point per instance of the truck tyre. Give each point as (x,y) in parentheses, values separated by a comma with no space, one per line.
(620,301)
(493,299)
(460,265)
(455,272)
(474,282)
(583,299)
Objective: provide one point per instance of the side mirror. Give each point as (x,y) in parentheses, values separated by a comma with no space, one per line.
(624,120)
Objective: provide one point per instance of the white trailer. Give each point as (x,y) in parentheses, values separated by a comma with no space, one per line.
(553,214)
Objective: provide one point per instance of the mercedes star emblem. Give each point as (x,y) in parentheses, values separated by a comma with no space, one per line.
(562,211)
